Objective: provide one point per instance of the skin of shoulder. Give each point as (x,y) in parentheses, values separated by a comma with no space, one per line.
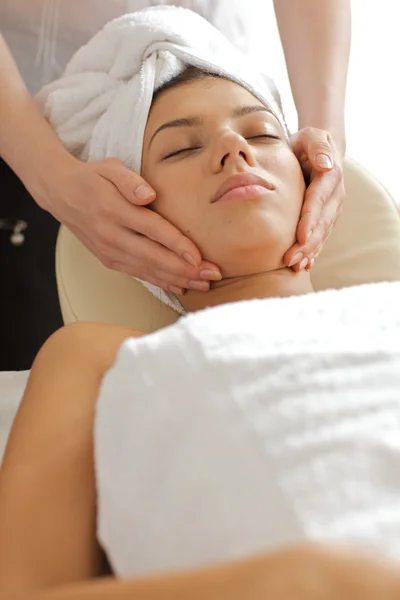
(84,343)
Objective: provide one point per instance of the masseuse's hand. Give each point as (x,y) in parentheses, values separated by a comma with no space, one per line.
(104,204)
(322,164)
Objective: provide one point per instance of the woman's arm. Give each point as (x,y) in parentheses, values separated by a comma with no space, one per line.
(48,505)
(47,488)
(306,572)
(315,36)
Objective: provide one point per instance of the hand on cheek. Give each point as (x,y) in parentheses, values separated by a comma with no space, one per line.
(322,165)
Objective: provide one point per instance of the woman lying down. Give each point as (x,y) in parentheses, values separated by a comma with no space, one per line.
(227,455)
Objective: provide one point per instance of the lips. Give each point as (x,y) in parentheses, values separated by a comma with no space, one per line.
(241,180)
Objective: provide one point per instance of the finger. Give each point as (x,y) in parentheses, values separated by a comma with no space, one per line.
(319,150)
(124,264)
(312,253)
(144,258)
(316,197)
(310,264)
(130,184)
(302,264)
(154,227)
(329,218)
(293,255)
(299,252)
(318,252)
(321,232)
(132,252)
(156,261)
(160,283)
(163,279)
(318,236)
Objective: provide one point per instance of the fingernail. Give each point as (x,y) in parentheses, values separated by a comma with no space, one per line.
(296,259)
(143,192)
(176,290)
(324,161)
(209,274)
(200,286)
(303,264)
(310,264)
(189,259)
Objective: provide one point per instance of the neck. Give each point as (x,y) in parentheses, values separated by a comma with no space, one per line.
(279,283)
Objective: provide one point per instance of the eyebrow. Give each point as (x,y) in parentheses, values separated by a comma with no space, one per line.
(239,111)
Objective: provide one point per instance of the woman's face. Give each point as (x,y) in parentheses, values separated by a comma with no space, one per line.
(200,134)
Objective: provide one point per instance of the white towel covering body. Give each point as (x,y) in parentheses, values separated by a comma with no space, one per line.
(253,425)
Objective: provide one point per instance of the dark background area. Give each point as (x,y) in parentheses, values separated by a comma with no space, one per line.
(29,306)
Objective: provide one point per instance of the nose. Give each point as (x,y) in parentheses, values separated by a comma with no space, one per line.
(231,149)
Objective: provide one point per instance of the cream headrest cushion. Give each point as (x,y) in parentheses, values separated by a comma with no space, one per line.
(363,248)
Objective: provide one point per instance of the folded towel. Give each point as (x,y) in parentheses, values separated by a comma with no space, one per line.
(250,426)
(99,107)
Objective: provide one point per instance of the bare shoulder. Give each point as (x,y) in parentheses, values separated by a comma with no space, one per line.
(85,343)
(88,332)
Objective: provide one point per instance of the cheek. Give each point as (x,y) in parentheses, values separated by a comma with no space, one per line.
(291,177)
(174,201)
(299,186)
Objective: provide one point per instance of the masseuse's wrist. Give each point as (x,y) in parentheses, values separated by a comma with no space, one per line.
(42,176)
(333,124)
(337,133)
(30,147)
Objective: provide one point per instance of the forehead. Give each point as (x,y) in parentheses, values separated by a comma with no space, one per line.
(210,96)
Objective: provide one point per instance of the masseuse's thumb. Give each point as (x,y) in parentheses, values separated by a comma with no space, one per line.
(130,184)
(319,151)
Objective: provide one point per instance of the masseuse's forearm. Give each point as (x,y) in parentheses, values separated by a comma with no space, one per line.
(315,36)
(27,142)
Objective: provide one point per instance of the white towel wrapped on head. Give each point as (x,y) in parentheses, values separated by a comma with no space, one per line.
(100,106)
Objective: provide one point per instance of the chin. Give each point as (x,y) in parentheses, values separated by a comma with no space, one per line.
(242,250)
(240,264)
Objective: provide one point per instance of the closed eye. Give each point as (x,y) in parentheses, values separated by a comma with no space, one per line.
(176,152)
(264,135)
(190,149)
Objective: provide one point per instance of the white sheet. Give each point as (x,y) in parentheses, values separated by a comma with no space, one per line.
(252,425)
(12,386)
